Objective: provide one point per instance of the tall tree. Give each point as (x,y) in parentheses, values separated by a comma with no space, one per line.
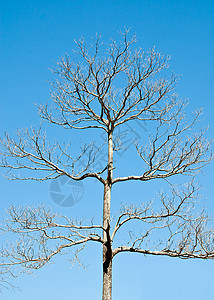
(104,91)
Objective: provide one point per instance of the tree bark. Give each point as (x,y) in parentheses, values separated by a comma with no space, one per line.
(107,246)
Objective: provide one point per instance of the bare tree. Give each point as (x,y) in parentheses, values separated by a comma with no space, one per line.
(104,91)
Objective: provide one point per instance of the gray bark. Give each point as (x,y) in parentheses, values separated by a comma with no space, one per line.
(107,245)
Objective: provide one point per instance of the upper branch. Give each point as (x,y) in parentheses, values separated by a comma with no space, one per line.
(32,152)
(87,94)
(173,148)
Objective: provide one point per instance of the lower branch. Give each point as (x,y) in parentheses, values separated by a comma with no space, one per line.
(42,235)
(171,253)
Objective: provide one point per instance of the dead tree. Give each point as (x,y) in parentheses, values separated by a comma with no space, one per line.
(104,91)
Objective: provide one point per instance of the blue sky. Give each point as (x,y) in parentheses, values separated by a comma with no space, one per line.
(33,35)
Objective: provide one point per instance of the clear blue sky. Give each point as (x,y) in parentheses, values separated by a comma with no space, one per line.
(33,35)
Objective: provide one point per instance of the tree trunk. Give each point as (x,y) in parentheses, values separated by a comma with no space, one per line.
(107,246)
